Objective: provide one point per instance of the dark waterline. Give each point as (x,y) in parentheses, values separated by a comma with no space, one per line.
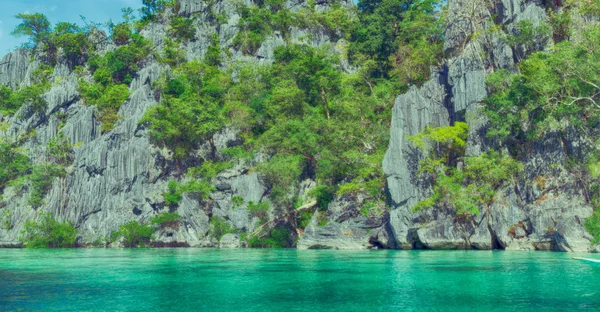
(279,280)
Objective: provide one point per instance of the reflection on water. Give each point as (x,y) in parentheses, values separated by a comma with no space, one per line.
(310,280)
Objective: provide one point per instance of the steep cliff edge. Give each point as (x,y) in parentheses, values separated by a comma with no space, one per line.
(528,215)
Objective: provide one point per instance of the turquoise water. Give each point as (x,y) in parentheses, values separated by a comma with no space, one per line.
(292,280)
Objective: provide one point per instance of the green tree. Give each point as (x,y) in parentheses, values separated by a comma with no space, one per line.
(389,26)
(464,189)
(167,219)
(40,182)
(552,89)
(13,163)
(48,233)
(36,26)
(443,144)
(61,149)
(134,234)
(151,8)
(220,227)
(71,38)
(193,113)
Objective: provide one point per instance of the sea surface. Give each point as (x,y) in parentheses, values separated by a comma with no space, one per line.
(294,280)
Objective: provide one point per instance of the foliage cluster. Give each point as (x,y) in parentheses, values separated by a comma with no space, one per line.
(398,38)
(220,227)
(48,233)
(467,188)
(12,100)
(112,73)
(134,234)
(176,190)
(552,90)
(259,21)
(16,169)
(72,39)
(259,210)
(278,237)
(308,115)
(167,219)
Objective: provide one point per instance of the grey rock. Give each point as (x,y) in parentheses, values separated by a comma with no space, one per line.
(230,241)
(346,228)
(120,176)
(14,67)
(412,112)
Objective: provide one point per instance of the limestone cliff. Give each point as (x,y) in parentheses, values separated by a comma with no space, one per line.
(528,215)
(120,176)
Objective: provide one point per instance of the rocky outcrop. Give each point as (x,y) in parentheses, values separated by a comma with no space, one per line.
(544,211)
(120,176)
(345,227)
(13,68)
(230,241)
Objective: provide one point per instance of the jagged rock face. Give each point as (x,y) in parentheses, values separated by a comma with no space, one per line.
(13,68)
(347,228)
(526,216)
(413,111)
(120,176)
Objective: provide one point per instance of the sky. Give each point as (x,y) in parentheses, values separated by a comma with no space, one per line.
(98,11)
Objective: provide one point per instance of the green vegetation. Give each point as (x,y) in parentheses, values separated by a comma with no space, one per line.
(552,91)
(209,169)
(303,219)
(17,170)
(73,40)
(220,227)
(192,111)
(40,182)
(259,210)
(278,237)
(175,193)
(167,219)
(70,38)
(550,88)
(36,26)
(237,201)
(48,233)
(112,73)
(182,28)
(13,163)
(12,100)
(529,38)
(445,143)
(61,150)
(5,220)
(310,118)
(151,8)
(338,21)
(467,188)
(592,225)
(324,195)
(398,38)
(107,99)
(260,21)
(134,234)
